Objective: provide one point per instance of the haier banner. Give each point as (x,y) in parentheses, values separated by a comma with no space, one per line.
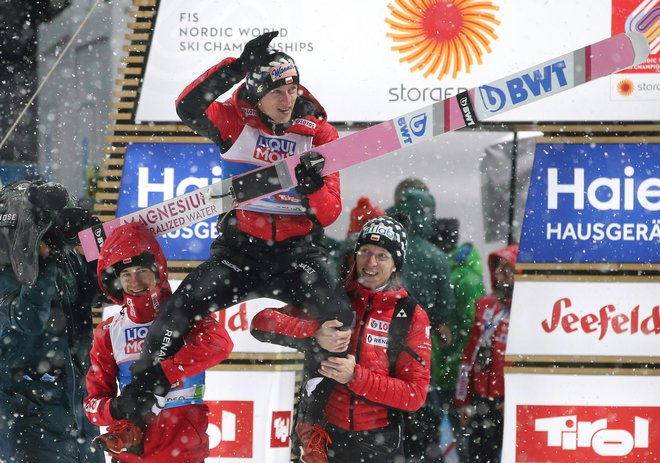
(154,172)
(593,203)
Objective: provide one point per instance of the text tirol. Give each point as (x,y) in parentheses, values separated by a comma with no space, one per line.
(634,322)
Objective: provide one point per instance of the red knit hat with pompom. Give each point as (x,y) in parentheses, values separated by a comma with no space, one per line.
(362,213)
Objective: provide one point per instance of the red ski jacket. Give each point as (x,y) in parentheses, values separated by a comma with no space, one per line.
(364,402)
(231,122)
(481,371)
(176,434)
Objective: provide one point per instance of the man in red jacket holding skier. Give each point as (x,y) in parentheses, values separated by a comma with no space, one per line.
(360,421)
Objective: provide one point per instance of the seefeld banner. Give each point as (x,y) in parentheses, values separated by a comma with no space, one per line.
(155,172)
(593,203)
(584,319)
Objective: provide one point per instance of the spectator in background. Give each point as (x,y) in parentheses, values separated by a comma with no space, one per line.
(428,280)
(480,387)
(410,183)
(46,294)
(467,281)
(360,214)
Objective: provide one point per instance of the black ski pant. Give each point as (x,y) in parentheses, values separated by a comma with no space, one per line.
(240,268)
(382,445)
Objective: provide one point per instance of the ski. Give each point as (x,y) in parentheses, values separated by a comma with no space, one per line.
(466,109)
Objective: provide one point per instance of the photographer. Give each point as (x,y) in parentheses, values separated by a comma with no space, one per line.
(46,292)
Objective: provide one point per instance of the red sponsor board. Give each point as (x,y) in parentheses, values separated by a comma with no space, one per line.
(640,16)
(235,420)
(280,428)
(587,434)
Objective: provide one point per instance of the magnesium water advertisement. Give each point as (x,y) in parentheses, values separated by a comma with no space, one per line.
(155,172)
(593,203)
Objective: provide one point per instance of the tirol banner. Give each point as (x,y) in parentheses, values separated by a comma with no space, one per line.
(593,203)
(581,418)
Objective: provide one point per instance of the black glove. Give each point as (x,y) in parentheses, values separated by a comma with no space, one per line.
(133,404)
(308,172)
(256,50)
(153,380)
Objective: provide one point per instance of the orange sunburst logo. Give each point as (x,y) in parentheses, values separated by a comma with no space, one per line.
(625,87)
(442,36)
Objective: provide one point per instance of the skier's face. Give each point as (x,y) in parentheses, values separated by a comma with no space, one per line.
(278,103)
(374,266)
(137,280)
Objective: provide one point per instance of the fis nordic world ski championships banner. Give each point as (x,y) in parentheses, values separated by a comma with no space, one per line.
(155,172)
(593,203)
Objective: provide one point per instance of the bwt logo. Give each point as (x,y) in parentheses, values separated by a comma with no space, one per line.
(271,149)
(557,434)
(518,89)
(416,126)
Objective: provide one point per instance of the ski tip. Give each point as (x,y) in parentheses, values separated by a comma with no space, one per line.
(640,46)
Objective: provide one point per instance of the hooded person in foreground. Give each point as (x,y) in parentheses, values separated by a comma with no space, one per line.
(132,271)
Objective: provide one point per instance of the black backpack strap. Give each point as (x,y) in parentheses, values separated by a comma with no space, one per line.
(398,333)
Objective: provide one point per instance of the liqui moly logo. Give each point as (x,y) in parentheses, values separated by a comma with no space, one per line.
(134,338)
(525,87)
(561,434)
(273,149)
(608,320)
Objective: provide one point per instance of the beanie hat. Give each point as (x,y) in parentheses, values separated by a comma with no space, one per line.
(277,69)
(361,213)
(389,233)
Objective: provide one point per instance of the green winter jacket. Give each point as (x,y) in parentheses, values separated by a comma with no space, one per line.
(467,280)
(426,273)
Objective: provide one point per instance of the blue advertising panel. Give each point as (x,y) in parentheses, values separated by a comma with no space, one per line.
(154,172)
(593,203)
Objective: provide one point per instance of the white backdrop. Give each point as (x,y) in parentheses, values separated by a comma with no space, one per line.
(345,56)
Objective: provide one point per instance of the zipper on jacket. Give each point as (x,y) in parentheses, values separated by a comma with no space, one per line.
(351,406)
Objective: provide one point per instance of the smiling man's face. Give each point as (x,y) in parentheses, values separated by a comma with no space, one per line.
(137,280)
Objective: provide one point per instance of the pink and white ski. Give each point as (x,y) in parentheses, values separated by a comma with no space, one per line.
(467,109)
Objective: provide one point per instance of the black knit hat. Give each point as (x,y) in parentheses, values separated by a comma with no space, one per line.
(389,233)
(277,70)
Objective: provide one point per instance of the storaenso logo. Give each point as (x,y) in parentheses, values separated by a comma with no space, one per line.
(416,126)
(518,89)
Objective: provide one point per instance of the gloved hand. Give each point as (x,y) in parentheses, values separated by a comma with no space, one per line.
(133,404)
(153,380)
(255,51)
(308,172)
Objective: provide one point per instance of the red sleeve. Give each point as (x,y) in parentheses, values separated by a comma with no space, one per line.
(101,378)
(326,202)
(206,345)
(464,380)
(287,326)
(406,391)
